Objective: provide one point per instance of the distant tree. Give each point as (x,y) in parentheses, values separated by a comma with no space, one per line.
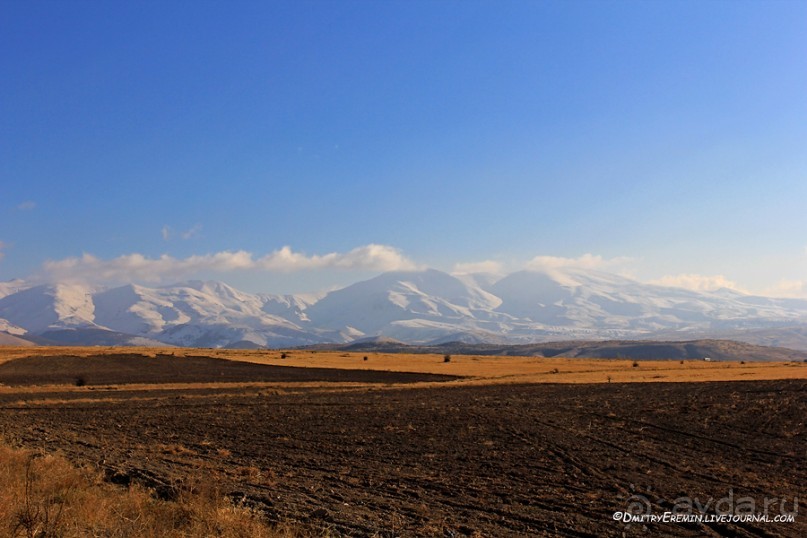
(446,358)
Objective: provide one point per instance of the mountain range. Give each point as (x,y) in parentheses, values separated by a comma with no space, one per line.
(427,307)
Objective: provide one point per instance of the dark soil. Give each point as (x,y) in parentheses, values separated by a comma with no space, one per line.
(134,368)
(526,460)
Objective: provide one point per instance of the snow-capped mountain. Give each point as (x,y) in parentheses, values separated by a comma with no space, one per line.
(606,302)
(415,307)
(403,305)
(44,307)
(203,314)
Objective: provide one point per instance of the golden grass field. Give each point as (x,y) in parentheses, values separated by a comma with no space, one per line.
(475,370)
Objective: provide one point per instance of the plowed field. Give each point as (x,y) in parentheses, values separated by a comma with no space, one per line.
(447,460)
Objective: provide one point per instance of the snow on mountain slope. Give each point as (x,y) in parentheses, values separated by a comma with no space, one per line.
(205,314)
(41,307)
(135,310)
(595,300)
(373,306)
(12,286)
(412,306)
(138,310)
(290,307)
(481,281)
(10,328)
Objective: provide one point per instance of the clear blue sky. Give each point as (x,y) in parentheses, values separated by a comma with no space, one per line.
(673,134)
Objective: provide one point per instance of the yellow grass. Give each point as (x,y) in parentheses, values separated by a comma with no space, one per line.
(44,495)
(474,369)
(493,369)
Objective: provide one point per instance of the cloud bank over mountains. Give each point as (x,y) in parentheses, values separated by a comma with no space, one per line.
(696,282)
(139,268)
(135,267)
(586,261)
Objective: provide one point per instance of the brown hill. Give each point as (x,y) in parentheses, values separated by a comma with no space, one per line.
(718,350)
(11,340)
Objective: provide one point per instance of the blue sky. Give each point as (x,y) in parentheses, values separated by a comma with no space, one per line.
(167,140)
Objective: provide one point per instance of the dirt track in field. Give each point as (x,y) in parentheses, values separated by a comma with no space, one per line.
(499,460)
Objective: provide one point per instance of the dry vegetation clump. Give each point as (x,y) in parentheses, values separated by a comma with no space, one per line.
(43,495)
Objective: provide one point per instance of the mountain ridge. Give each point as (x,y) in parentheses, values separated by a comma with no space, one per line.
(425,307)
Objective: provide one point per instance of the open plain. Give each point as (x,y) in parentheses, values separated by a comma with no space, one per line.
(417,446)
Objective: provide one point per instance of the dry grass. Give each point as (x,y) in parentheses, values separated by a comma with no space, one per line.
(484,369)
(475,369)
(44,496)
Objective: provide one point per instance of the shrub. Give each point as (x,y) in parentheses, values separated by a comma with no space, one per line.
(446,358)
(80,381)
(635,364)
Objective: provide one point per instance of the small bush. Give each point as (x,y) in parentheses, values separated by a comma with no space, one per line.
(446,358)
(635,364)
(365,357)
(80,381)
(284,355)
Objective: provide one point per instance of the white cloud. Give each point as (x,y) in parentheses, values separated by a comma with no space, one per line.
(168,233)
(192,232)
(586,261)
(486,266)
(695,282)
(27,205)
(793,289)
(137,267)
(369,257)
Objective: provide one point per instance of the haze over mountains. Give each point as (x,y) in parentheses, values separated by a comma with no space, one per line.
(417,307)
